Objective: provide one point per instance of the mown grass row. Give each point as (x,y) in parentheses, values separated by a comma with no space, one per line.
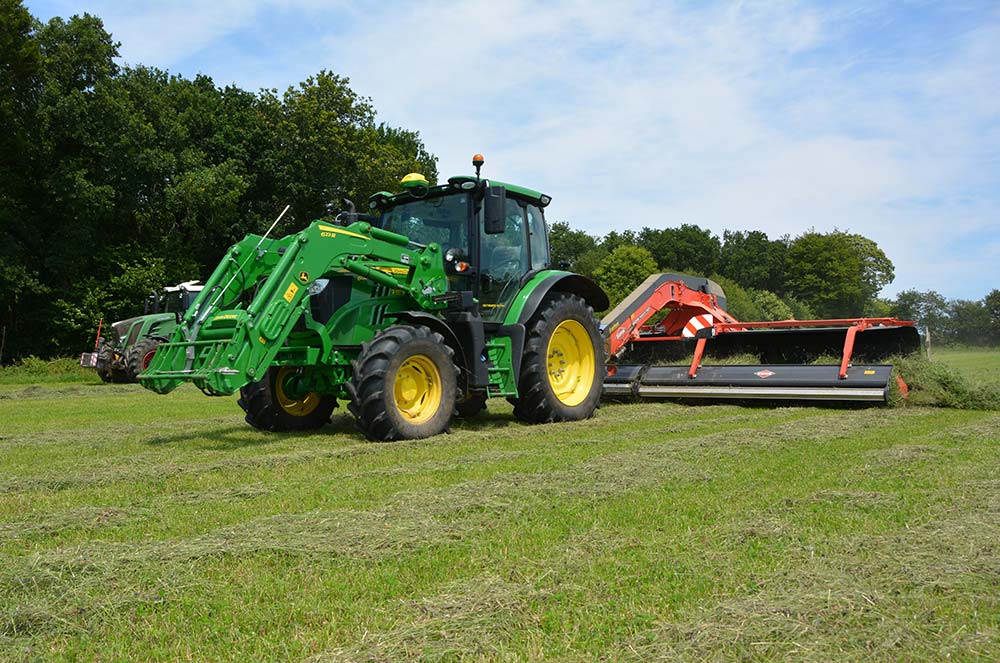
(140,527)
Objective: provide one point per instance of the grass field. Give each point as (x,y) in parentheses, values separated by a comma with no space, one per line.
(977,364)
(144,527)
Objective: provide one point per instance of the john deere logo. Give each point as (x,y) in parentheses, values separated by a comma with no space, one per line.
(304,276)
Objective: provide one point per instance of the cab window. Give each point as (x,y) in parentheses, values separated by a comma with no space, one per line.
(174,302)
(538,238)
(505,255)
(441,219)
(503,261)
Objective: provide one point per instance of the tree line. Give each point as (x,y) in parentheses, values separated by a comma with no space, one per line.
(815,275)
(115,181)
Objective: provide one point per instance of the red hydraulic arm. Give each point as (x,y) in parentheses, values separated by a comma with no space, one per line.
(626,322)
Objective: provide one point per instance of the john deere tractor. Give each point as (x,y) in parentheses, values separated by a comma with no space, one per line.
(436,299)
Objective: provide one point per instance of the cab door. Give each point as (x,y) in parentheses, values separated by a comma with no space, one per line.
(504,260)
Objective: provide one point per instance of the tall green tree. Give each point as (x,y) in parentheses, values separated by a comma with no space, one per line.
(567,245)
(686,248)
(749,257)
(992,304)
(333,149)
(20,84)
(969,323)
(624,269)
(929,309)
(837,274)
(614,239)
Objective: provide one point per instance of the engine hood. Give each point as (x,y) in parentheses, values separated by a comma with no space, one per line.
(121,327)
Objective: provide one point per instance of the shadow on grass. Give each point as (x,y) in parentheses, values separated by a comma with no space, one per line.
(484,421)
(240,436)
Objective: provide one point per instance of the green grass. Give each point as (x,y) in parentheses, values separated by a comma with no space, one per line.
(33,370)
(143,527)
(980,365)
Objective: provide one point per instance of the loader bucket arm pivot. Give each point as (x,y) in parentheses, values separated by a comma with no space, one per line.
(221,346)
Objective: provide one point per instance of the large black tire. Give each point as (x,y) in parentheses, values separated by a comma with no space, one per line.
(404,384)
(108,371)
(562,370)
(269,407)
(104,357)
(139,356)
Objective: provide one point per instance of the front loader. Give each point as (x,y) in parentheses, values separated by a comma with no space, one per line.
(438,299)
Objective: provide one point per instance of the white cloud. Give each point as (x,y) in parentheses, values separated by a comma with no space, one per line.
(772,115)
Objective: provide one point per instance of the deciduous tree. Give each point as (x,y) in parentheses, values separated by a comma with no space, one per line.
(836,273)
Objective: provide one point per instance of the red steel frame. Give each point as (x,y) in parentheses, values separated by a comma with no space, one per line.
(684,303)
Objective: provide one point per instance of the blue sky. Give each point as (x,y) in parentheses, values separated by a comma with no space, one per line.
(876,118)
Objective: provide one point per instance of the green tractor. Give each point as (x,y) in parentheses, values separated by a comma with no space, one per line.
(124,353)
(437,299)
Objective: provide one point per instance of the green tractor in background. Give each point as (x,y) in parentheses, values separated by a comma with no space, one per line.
(437,299)
(124,353)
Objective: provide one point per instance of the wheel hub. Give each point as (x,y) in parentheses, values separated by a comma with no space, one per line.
(570,362)
(417,389)
(284,387)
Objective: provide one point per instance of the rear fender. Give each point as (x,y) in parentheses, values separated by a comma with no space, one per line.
(527,301)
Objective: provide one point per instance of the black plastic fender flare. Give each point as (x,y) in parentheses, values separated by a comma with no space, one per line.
(576,284)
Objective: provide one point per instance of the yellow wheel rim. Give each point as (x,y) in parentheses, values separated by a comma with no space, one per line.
(417,389)
(297,407)
(570,363)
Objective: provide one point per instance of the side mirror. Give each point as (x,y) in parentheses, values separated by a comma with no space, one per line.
(495,210)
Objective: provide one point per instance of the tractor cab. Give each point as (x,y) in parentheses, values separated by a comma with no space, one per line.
(492,235)
(173,299)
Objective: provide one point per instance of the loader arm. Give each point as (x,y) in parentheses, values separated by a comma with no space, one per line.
(222,345)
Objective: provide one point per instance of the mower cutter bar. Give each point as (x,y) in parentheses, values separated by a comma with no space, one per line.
(781,382)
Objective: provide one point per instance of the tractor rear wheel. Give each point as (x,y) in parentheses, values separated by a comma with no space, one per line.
(562,371)
(404,384)
(275,404)
(139,356)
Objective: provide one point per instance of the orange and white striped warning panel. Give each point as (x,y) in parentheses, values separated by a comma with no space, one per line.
(695,324)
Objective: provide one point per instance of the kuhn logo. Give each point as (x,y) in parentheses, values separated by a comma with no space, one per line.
(764,374)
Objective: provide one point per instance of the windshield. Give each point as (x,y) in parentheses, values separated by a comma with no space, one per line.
(174,302)
(441,219)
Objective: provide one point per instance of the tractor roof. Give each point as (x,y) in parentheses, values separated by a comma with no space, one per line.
(190,286)
(455,183)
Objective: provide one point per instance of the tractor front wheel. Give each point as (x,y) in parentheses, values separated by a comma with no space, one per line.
(276,404)
(404,384)
(562,371)
(104,357)
(139,356)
